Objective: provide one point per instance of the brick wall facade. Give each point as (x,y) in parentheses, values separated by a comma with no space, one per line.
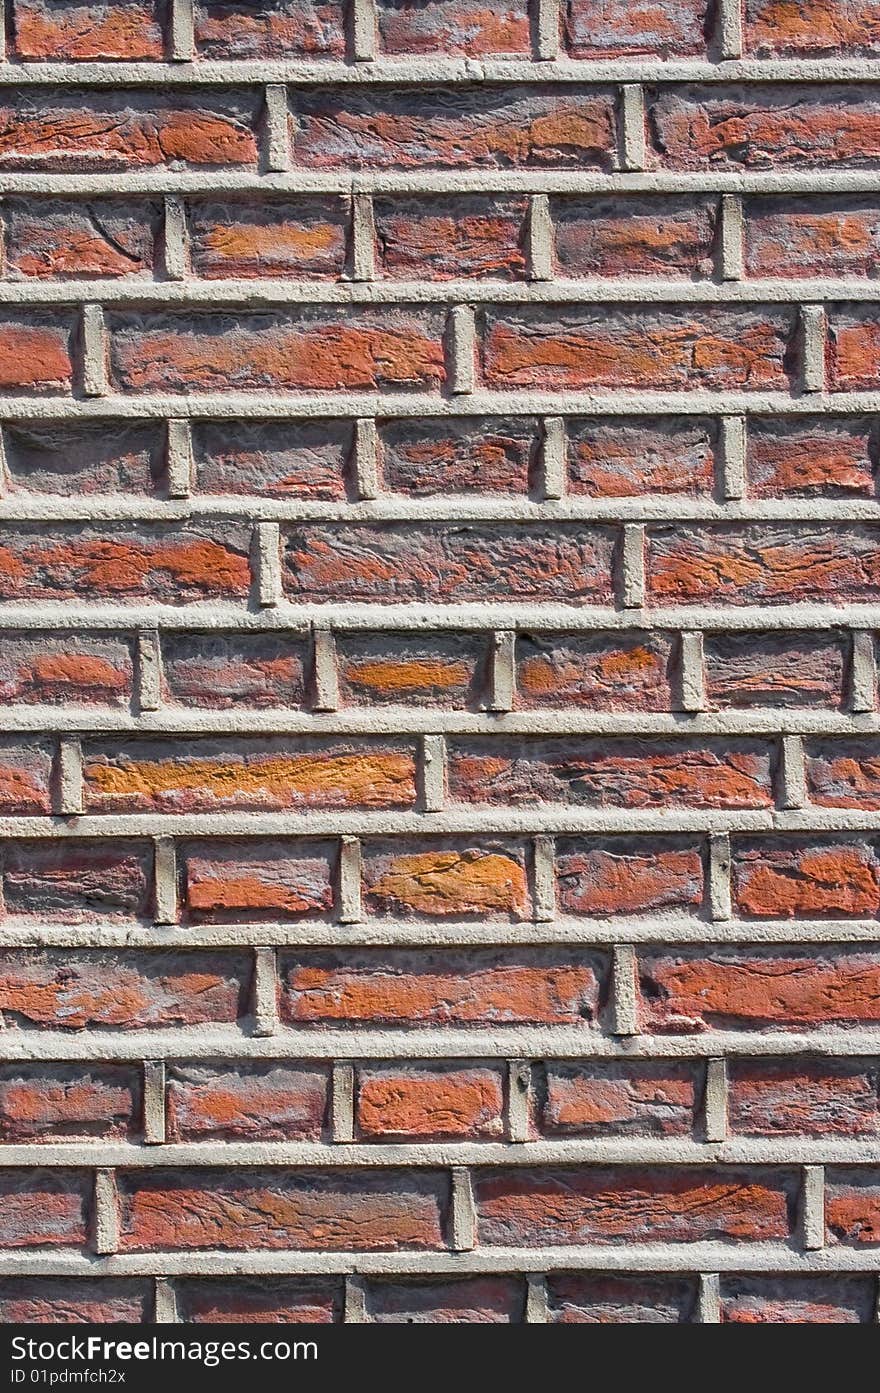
(439,577)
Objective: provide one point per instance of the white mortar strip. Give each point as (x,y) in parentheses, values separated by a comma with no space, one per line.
(709,1299)
(540,238)
(464,1211)
(94,351)
(719,878)
(432,774)
(175,251)
(544,879)
(546,38)
(364,38)
(733,458)
(165,882)
(154,1102)
(633,136)
(729,22)
(265,992)
(324,670)
(105,1218)
(277,135)
(148,690)
(502,677)
(732,247)
(179,458)
(715,1101)
(69,791)
(812,1207)
(363,238)
(814,335)
(554,460)
(624,991)
(349,874)
(266,553)
(355,1302)
(632,567)
(164,1303)
(517,1101)
(794,776)
(863,681)
(366,462)
(343,1105)
(536,1299)
(182,26)
(461,350)
(693,686)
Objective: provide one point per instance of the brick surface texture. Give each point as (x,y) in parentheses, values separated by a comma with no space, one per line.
(439,591)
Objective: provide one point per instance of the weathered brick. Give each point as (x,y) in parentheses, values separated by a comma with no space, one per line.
(780,670)
(304,238)
(203,775)
(599,1099)
(54,239)
(813,878)
(72,669)
(468,237)
(613,28)
(230,671)
(419,1103)
(611,773)
(624,875)
(811,28)
(518,1207)
(830,458)
(487,988)
(433,670)
(64,990)
(632,458)
(844,774)
(578,1298)
(124,29)
(68,1102)
(826,1300)
(272,1300)
(291,459)
(40,1208)
(288,29)
(74,1301)
(459,879)
(852,1208)
(460,455)
(77,882)
(331,1211)
(803,1098)
(669,237)
(249,1102)
(461,1300)
(813,236)
(853,352)
(35,350)
(25,776)
(604,672)
(466,27)
(229,881)
(72,458)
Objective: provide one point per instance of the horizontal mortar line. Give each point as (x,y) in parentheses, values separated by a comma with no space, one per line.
(496,1042)
(691,1258)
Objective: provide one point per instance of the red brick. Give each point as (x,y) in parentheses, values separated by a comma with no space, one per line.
(433,670)
(763,564)
(831,458)
(69,131)
(449,562)
(760,127)
(457,879)
(229,671)
(455,127)
(35,352)
(832,1300)
(802,1098)
(248,1102)
(172,565)
(469,28)
(486,988)
(578,1298)
(289,29)
(272,1300)
(811,237)
(74,1301)
(460,455)
(599,672)
(668,237)
(229,881)
(533,1209)
(627,876)
(611,773)
(614,1100)
(75,459)
(64,990)
(251,775)
(780,670)
(632,458)
(713,347)
(852,1208)
(812,988)
(77,882)
(310,1212)
(422,1103)
(853,353)
(25,777)
(40,1208)
(51,29)
(810,28)
(327,348)
(71,669)
(291,459)
(460,1300)
(68,1102)
(306,238)
(844,775)
(451,240)
(56,240)
(612,28)
(784,878)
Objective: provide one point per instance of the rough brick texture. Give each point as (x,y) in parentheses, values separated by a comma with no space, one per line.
(439,593)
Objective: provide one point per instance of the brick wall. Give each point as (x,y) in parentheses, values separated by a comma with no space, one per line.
(439,575)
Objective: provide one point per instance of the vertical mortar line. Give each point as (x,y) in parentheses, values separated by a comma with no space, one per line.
(4,464)
(277,128)
(164,1302)
(266,561)
(544,879)
(812,1207)
(355,1307)
(536,1299)
(364,31)
(106,1213)
(154,1102)
(165,881)
(813,333)
(464,1211)
(732,237)
(715,1101)
(342,1105)
(732,445)
(863,675)
(540,238)
(693,685)
(502,677)
(632,566)
(624,991)
(175,249)
(349,880)
(709,1299)
(366,458)
(178,458)
(183,44)
(94,351)
(148,696)
(545,42)
(554,457)
(461,347)
(363,238)
(632,139)
(4,20)
(719,877)
(433,773)
(69,793)
(519,1078)
(265,991)
(4,221)
(325,676)
(793,792)
(730,37)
